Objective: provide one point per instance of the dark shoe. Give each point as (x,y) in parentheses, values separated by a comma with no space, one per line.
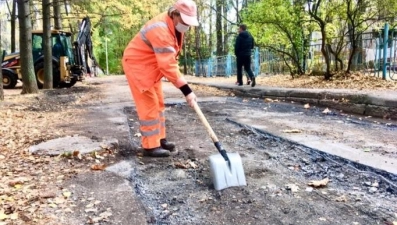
(167,145)
(156,152)
(253,82)
(248,82)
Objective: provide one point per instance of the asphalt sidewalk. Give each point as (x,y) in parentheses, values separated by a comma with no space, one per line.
(376,103)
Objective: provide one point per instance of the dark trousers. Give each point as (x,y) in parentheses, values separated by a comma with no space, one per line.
(246,62)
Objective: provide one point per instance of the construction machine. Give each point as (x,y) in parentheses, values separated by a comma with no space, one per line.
(70,61)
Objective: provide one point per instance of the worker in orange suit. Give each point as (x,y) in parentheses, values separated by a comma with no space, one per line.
(150,56)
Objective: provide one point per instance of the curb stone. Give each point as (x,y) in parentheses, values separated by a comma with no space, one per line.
(357,103)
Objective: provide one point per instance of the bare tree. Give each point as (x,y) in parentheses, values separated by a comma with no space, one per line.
(315,13)
(12,12)
(25,43)
(48,76)
(218,27)
(225,35)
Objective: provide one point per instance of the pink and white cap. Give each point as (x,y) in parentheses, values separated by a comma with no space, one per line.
(188,10)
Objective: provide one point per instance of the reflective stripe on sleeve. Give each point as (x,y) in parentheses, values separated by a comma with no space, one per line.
(148,28)
(161,114)
(162,124)
(168,49)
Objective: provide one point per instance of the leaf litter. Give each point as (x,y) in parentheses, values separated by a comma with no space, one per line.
(31,186)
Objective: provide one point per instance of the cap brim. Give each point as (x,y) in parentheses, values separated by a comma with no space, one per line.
(190,20)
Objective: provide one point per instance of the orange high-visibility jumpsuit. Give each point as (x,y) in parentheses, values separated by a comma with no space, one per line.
(149,56)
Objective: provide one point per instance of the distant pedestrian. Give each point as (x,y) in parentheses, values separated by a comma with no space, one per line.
(242,49)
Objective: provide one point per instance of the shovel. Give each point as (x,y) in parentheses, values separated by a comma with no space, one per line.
(226,168)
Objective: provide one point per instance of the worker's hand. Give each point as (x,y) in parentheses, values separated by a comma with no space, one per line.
(191,99)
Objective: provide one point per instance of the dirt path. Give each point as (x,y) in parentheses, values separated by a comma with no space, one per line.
(178,190)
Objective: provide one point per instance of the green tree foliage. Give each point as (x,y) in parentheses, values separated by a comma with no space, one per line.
(281,26)
(118,22)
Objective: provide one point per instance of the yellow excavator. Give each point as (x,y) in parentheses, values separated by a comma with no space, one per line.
(70,61)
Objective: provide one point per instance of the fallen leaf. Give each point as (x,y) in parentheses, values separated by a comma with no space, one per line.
(3,216)
(319,183)
(67,194)
(180,165)
(91,210)
(47,194)
(292,131)
(306,106)
(268,100)
(67,154)
(52,205)
(105,215)
(203,200)
(14,183)
(193,165)
(14,216)
(75,153)
(326,111)
(98,167)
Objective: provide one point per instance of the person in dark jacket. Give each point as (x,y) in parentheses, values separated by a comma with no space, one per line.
(242,49)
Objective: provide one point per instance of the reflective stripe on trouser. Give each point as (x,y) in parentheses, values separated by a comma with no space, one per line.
(150,108)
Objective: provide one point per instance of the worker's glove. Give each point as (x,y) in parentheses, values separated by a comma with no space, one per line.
(191,99)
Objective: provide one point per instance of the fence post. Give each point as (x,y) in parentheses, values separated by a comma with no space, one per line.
(209,67)
(385,44)
(196,68)
(228,65)
(256,61)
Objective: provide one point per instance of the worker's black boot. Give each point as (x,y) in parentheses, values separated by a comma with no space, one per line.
(156,152)
(167,145)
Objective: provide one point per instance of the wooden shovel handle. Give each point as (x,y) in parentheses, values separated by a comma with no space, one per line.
(205,122)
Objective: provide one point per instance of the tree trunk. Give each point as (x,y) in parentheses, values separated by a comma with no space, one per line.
(218,27)
(353,52)
(210,41)
(324,51)
(13,21)
(1,72)
(25,43)
(57,14)
(47,45)
(225,30)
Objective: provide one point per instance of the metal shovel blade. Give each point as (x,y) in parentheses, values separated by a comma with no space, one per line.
(224,176)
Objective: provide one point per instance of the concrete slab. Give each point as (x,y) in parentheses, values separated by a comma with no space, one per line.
(331,147)
(61,145)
